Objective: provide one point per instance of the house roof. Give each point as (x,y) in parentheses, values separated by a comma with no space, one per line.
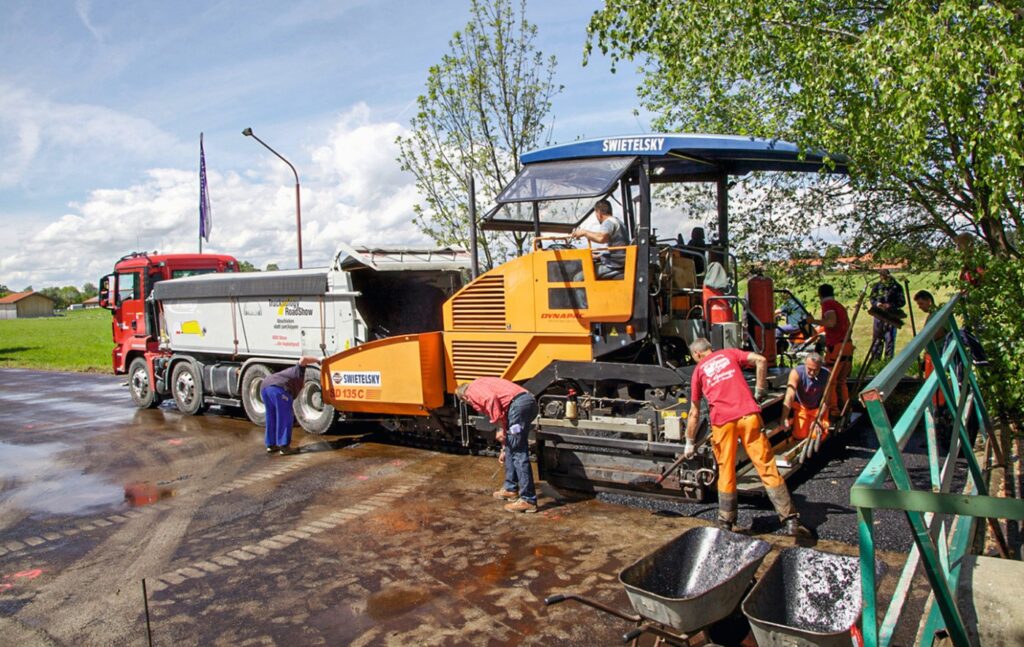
(18,296)
(95,299)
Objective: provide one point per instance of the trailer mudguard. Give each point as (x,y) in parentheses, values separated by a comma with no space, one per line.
(401,375)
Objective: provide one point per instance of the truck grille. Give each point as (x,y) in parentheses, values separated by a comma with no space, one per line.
(481,306)
(473,359)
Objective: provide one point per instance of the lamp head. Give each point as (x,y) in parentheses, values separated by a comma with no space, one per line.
(247,132)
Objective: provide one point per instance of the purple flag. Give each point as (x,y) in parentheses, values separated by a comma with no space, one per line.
(205,212)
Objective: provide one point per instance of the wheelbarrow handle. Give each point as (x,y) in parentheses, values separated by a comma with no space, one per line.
(654,629)
(555,599)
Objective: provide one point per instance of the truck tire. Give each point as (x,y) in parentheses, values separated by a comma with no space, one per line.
(252,401)
(187,388)
(313,414)
(140,385)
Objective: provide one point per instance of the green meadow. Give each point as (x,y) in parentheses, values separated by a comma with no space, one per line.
(78,340)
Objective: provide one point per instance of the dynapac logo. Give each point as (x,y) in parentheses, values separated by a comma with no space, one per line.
(559,315)
(286,307)
(632,144)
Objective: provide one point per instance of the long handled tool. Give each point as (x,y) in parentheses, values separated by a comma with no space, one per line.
(813,440)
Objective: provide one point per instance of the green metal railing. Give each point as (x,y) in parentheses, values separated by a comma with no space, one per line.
(942,522)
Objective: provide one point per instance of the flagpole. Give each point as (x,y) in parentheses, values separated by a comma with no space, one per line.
(200,192)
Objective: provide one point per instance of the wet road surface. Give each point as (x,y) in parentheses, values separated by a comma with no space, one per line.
(348,542)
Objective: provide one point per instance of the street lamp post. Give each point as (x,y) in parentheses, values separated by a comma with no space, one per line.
(298,208)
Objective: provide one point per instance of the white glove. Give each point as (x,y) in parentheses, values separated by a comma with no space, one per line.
(515,430)
(689,451)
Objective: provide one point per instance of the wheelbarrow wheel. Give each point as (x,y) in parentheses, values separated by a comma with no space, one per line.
(730,631)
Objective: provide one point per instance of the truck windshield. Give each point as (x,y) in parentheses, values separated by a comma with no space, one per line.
(177,274)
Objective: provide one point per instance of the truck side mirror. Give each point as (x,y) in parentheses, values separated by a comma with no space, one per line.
(104,293)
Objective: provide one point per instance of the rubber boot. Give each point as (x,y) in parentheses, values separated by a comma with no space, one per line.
(726,510)
(779,496)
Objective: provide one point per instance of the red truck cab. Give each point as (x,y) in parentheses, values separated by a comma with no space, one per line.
(135,322)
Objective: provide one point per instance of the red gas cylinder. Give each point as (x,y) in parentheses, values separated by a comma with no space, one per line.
(761,303)
(718,311)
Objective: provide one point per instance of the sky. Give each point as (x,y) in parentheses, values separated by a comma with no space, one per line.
(102,103)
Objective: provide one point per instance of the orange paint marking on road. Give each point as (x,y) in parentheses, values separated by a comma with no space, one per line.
(363,477)
(175,441)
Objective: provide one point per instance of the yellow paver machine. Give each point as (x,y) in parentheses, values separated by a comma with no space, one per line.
(605,353)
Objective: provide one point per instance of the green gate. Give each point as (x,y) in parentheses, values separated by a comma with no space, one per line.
(942,522)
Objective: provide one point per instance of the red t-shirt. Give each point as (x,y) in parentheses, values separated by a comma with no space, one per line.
(492,396)
(836,334)
(719,378)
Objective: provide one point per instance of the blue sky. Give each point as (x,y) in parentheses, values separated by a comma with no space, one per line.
(102,103)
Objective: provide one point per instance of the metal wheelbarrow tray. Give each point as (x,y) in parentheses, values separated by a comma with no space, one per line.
(694,580)
(806,598)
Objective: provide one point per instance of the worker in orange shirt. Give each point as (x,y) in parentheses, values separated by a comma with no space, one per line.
(804,392)
(735,414)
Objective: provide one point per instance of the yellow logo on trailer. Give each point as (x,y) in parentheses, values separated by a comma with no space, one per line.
(192,328)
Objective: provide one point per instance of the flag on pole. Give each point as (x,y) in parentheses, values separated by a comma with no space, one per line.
(205,212)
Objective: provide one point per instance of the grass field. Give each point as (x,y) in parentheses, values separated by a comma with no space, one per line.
(76,341)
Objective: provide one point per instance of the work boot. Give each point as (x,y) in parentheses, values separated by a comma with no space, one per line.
(726,510)
(272,449)
(521,505)
(509,495)
(289,451)
(793,528)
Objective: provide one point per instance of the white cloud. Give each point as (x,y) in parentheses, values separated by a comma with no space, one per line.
(355,194)
(37,134)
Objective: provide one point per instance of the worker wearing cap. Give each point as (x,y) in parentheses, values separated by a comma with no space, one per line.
(804,392)
(838,349)
(735,414)
(886,295)
(512,408)
(278,392)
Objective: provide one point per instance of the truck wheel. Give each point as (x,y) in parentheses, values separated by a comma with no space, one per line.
(187,388)
(313,414)
(140,385)
(252,382)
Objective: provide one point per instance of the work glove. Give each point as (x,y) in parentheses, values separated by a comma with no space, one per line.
(515,430)
(689,450)
(501,456)
(760,394)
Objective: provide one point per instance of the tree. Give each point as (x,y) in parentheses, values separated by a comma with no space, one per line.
(4,290)
(272,267)
(246,266)
(925,98)
(89,290)
(484,105)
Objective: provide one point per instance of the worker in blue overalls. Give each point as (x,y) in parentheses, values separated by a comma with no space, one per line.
(278,392)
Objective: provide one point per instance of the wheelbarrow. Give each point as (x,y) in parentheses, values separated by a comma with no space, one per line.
(807,598)
(688,584)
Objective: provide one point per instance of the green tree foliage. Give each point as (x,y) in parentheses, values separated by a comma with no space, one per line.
(246,266)
(272,267)
(4,290)
(925,98)
(89,290)
(485,103)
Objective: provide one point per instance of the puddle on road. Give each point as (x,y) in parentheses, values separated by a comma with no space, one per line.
(140,494)
(394,602)
(42,482)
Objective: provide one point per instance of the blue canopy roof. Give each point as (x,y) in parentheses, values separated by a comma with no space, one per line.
(735,155)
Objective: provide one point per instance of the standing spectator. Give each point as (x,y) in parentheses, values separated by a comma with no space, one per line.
(804,390)
(735,415)
(838,355)
(278,392)
(886,295)
(513,409)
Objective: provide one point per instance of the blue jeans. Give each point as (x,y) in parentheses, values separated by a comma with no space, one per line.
(279,416)
(518,473)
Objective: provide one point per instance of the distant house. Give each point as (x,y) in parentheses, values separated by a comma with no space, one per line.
(94,302)
(24,305)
